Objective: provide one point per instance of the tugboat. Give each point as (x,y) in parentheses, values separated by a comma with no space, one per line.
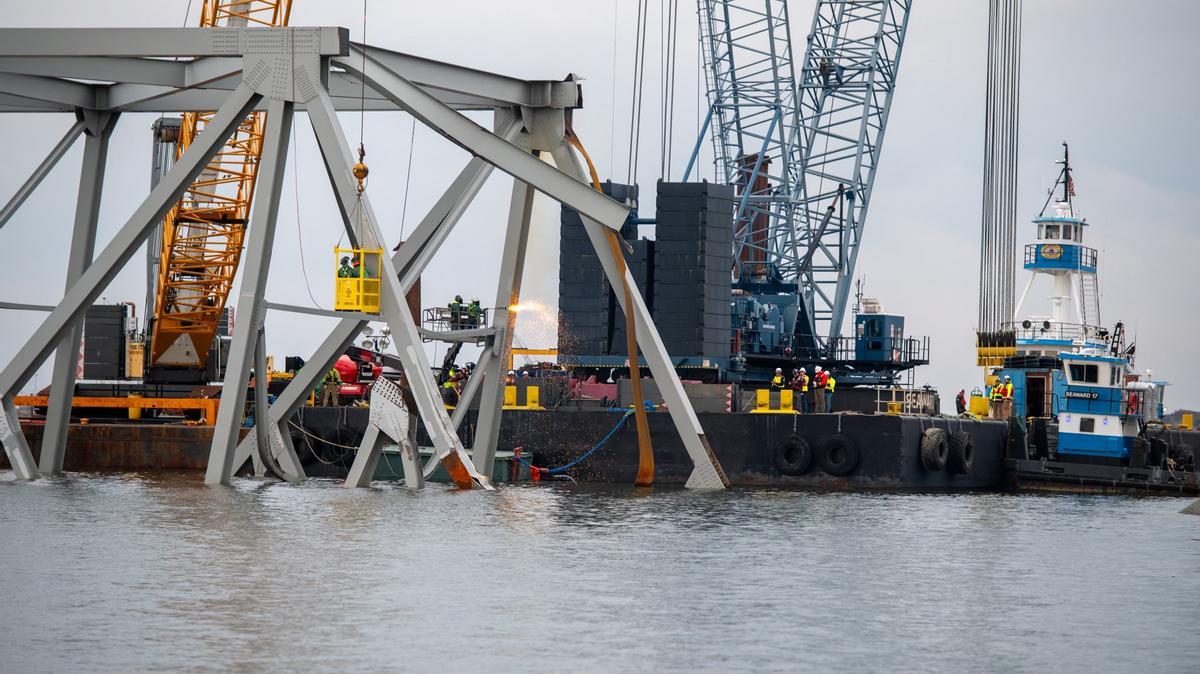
(1083,419)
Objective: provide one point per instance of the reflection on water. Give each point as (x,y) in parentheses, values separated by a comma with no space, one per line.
(135,572)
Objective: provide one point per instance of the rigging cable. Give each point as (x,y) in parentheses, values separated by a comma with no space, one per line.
(299,230)
(412,138)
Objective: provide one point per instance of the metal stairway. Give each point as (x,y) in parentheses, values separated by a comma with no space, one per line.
(1089,298)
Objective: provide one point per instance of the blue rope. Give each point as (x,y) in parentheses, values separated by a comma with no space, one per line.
(585,455)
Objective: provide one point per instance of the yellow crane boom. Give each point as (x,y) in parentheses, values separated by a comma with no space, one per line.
(202,234)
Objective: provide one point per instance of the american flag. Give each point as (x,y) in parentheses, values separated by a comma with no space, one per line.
(1071,185)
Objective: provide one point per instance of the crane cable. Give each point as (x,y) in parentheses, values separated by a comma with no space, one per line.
(645,474)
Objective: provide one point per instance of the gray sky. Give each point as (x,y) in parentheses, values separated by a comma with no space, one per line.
(1111,77)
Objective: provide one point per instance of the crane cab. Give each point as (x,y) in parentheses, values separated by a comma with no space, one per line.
(356,279)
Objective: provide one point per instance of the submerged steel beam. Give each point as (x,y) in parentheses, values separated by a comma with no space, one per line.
(508,294)
(259,244)
(83,245)
(42,170)
(110,261)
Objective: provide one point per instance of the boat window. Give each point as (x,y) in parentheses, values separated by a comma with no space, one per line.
(1068,234)
(1114,377)
(1079,233)
(1087,424)
(1041,231)
(1051,232)
(1082,373)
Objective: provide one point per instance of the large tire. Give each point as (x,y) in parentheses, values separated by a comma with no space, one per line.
(1185,457)
(935,446)
(794,456)
(961,456)
(838,455)
(304,447)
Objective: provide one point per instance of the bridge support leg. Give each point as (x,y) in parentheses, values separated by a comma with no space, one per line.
(508,294)
(260,240)
(83,246)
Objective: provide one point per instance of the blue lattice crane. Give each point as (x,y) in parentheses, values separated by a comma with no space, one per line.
(801,146)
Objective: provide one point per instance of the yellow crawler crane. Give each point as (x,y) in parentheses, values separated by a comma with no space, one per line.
(202,234)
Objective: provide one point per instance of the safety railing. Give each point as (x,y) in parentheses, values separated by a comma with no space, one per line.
(1064,256)
(444,319)
(904,351)
(1045,329)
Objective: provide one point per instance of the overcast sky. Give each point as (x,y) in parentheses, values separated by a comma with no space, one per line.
(1113,78)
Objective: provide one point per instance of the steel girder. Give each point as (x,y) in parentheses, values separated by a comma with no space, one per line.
(125,70)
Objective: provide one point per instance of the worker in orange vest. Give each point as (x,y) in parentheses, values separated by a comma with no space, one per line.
(1006,398)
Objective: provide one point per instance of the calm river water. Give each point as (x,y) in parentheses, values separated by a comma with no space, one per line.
(158,572)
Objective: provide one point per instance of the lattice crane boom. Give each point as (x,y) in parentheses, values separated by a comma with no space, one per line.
(790,143)
(202,235)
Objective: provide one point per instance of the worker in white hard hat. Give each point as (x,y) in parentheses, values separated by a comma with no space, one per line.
(1006,398)
(510,379)
(777,380)
(799,386)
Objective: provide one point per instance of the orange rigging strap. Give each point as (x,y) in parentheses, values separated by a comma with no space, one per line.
(645,474)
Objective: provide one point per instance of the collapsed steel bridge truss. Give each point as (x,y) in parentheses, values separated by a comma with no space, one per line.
(317,71)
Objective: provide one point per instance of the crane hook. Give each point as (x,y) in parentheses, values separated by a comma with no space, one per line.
(360,169)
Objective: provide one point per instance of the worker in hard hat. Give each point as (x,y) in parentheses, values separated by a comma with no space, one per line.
(329,388)
(804,382)
(1006,398)
(818,385)
(474,313)
(799,384)
(777,380)
(346,270)
(830,385)
(456,311)
(510,379)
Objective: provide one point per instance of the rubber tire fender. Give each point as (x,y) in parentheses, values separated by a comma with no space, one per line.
(794,456)
(305,447)
(838,455)
(1186,457)
(935,446)
(961,456)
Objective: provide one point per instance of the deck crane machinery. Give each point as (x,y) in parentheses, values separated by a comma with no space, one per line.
(801,145)
(193,262)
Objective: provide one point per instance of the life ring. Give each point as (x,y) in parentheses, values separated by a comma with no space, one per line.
(794,456)
(934,449)
(961,455)
(838,455)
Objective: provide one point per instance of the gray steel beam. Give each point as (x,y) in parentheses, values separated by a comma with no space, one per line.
(508,293)
(20,306)
(110,69)
(482,143)
(259,244)
(500,90)
(393,308)
(156,42)
(61,93)
(42,170)
(706,471)
(114,256)
(83,246)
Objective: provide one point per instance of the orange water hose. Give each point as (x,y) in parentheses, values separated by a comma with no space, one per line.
(645,474)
